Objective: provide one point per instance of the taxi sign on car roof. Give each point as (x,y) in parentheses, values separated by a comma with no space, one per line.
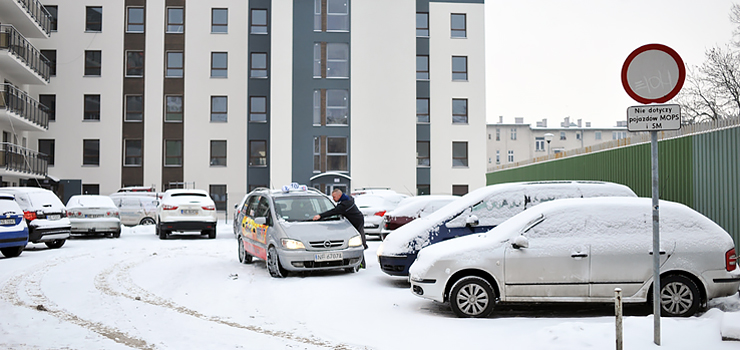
(294,187)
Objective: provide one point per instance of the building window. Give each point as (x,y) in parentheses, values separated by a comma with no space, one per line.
(423,189)
(511,156)
(132,149)
(135,20)
(91,152)
(459,190)
(175,20)
(316,154)
(218,194)
(422,110)
(337,15)
(422,24)
(53,10)
(258,109)
(259,21)
(50,102)
(513,134)
(457,24)
(134,108)
(459,154)
(562,135)
(336,154)
(219,20)
(422,67)
(539,144)
(51,55)
(174,68)
(93,19)
(91,189)
(498,134)
(317,16)
(218,152)
(578,135)
(618,135)
(173,153)
(597,135)
(134,63)
(317,107)
(219,64)
(337,60)
(498,157)
(459,111)
(46,146)
(257,153)
(258,65)
(93,61)
(337,107)
(92,108)
(422,153)
(459,68)
(173,109)
(219,109)
(317,59)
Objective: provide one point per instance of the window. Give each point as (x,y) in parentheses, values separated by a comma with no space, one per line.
(337,107)
(317,16)
(498,134)
(132,155)
(578,136)
(92,108)
(50,102)
(337,60)
(459,111)
(134,108)
(92,63)
(459,190)
(597,135)
(174,64)
(135,20)
(258,109)
(51,55)
(173,153)
(93,19)
(219,109)
(219,64)
(91,189)
(457,24)
(618,135)
(46,146)
(317,107)
(218,152)
(423,189)
(258,65)
(459,154)
(422,153)
(173,109)
(422,24)
(219,20)
(422,110)
(498,157)
(459,68)
(53,10)
(134,63)
(317,59)
(562,135)
(91,152)
(511,156)
(175,20)
(336,154)
(259,21)
(257,153)
(422,67)
(316,154)
(218,194)
(337,15)
(539,144)
(513,134)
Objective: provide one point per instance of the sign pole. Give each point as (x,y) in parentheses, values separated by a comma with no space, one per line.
(656,238)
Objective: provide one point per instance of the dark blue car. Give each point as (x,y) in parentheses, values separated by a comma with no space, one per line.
(13,228)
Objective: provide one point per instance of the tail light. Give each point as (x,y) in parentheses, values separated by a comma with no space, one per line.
(730,260)
(380,213)
(169,207)
(209,207)
(29,215)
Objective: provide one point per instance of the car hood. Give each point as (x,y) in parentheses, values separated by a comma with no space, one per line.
(319,230)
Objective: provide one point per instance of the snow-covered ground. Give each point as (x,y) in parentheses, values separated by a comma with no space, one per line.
(188,292)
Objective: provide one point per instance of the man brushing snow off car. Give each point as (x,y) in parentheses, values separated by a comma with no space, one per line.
(346,207)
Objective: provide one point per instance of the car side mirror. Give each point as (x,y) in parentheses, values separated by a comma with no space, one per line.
(260,220)
(472,220)
(520,242)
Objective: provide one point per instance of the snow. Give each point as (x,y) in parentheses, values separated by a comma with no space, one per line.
(140,292)
(93,201)
(412,206)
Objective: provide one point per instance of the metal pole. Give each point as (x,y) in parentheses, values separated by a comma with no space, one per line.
(618,312)
(656,239)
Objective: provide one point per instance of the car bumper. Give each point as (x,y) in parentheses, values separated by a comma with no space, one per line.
(305,260)
(432,289)
(14,238)
(373,225)
(187,225)
(396,265)
(721,283)
(94,226)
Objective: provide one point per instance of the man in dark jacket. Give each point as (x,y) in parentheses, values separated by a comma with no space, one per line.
(346,207)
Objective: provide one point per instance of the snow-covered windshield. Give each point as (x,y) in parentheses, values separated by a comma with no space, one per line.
(302,208)
(40,199)
(90,201)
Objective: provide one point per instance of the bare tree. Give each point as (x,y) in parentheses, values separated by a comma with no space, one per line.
(712,90)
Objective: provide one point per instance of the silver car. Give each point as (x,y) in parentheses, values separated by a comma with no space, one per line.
(136,210)
(580,250)
(93,214)
(277,226)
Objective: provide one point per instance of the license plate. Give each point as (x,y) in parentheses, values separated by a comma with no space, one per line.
(7,222)
(53,217)
(93,215)
(327,256)
(189,211)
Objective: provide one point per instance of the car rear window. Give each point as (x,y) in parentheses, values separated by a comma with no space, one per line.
(40,199)
(9,205)
(90,201)
(188,194)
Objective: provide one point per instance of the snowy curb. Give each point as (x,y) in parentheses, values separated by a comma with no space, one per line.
(730,326)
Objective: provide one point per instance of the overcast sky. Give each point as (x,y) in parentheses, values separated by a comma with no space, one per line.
(556,59)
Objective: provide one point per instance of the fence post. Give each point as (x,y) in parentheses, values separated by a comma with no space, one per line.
(618,312)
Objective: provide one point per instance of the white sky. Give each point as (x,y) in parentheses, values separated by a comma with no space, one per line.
(556,59)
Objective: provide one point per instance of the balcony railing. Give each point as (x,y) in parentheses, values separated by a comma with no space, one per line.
(17,101)
(13,41)
(38,12)
(23,160)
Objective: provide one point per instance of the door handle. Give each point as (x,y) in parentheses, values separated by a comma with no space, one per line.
(579,255)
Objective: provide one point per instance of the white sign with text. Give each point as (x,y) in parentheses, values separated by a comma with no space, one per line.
(654,117)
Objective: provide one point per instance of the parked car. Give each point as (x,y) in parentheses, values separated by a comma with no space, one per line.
(45,214)
(412,208)
(183,210)
(480,211)
(136,210)
(13,228)
(277,226)
(374,205)
(91,214)
(580,250)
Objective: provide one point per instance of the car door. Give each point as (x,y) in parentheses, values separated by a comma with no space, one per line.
(255,225)
(130,210)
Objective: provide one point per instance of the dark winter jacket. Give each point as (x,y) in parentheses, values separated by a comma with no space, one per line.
(346,207)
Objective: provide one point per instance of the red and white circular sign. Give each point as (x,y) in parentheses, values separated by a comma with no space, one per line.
(653,73)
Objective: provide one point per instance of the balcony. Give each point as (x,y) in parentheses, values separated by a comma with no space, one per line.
(20,161)
(29,16)
(20,112)
(20,60)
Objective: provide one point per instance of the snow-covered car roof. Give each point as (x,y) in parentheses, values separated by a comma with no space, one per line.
(34,198)
(411,205)
(89,200)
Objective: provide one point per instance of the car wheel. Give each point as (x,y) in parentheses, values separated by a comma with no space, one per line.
(147,221)
(353,269)
(212,233)
(57,243)
(472,296)
(273,264)
(12,252)
(244,257)
(117,234)
(162,232)
(679,296)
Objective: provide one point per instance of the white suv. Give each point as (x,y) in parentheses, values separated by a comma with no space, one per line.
(186,210)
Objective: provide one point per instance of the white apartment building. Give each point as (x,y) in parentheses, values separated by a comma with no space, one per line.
(229,95)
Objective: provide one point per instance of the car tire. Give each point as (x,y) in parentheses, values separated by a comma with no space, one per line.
(212,233)
(679,296)
(162,232)
(117,234)
(55,244)
(244,257)
(147,221)
(12,252)
(472,297)
(273,264)
(353,269)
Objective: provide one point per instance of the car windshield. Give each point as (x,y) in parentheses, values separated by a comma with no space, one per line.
(302,208)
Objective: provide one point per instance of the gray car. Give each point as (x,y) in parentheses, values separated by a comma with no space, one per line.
(136,210)
(277,226)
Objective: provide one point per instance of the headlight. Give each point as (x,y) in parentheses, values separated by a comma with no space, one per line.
(292,244)
(355,241)
(380,250)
